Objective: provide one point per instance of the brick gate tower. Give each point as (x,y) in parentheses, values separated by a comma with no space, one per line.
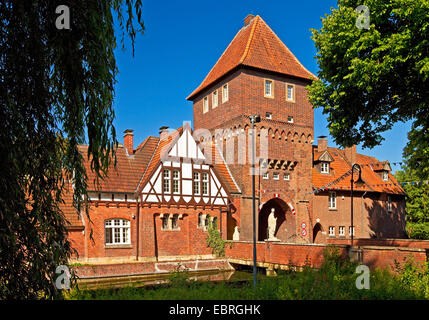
(258,74)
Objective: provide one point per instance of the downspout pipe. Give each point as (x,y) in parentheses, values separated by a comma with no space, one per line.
(361,210)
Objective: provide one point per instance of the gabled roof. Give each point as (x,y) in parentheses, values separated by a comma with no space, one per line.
(323,156)
(70,213)
(256,46)
(341,166)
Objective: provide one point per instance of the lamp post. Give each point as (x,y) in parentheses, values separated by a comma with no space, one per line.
(254,119)
(359,181)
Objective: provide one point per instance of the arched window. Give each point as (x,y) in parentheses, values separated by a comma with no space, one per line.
(117,231)
(200,220)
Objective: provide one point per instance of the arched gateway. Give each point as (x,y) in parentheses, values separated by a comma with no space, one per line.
(285,229)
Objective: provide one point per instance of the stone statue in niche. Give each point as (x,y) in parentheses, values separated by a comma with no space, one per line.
(236,235)
(272,222)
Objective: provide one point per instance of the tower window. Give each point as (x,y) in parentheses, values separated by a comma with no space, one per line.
(269,89)
(332,231)
(265,176)
(342,231)
(286,176)
(225,93)
(276,176)
(290,119)
(214,99)
(269,115)
(205,104)
(290,92)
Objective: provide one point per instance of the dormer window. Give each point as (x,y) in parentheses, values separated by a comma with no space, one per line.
(385,175)
(324,167)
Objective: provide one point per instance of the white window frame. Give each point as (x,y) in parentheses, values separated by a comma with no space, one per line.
(265,176)
(176,182)
(268,115)
(215,99)
(271,93)
(225,93)
(196,183)
(385,176)
(205,184)
(166,184)
(286,177)
(331,231)
(342,231)
(120,226)
(205,104)
(350,231)
(332,200)
(289,119)
(276,176)
(325,167)
(291,99)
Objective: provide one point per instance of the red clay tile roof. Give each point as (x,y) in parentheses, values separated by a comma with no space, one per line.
(70,213)
(341,166)
(257,46)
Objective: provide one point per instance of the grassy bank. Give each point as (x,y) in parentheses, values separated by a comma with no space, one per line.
(336,279)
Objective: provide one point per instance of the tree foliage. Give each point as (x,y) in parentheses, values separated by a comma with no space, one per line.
(369,79)
(417,202)
(57,91)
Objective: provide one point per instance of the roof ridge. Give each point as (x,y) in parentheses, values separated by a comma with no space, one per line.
(249,41)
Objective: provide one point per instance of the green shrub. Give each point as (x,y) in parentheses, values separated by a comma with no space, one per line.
(214,240)
(418,230)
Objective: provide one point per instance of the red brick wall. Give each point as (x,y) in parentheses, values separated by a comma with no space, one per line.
(404,243)
(298,254)
(370,216)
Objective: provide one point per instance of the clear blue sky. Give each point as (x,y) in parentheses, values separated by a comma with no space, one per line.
(184,39)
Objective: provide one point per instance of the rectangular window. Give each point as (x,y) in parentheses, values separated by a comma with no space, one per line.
(389,204)
(175,222)
(351,231)
(176,182)
(205,104)
(268,90)
(342,231)
(332,200)
(324,167)
(269,115)
(196,183)
(290,119)
(265,176)
(276,176)
(117,231)
(290,92)
(286,176)
(205,183)
(332,231)
(214,99)
(165,222)
(385,176)
(225,93)
(166,181)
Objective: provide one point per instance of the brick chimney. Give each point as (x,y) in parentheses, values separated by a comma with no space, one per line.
(128,141)
(322,144)
(350,153)
(248,19)
(163,132)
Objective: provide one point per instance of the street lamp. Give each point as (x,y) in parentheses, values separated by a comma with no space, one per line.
(254,119)
(359,181)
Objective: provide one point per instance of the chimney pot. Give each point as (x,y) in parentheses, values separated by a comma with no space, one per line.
(248,19)
(322,144)
(128,141)
(350,153)
(163,132)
